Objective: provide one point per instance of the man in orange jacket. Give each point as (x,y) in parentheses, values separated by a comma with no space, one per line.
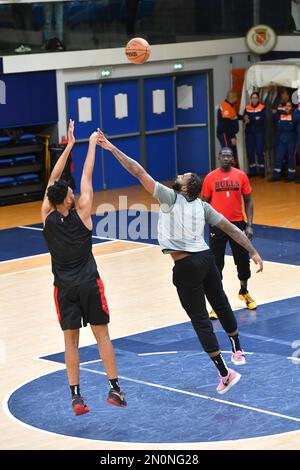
(228,123)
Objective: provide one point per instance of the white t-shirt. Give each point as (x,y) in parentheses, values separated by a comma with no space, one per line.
(181,222)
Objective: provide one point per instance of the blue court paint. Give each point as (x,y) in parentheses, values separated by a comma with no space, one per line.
(18,243)
(274,243)
(21,242)
(156,414)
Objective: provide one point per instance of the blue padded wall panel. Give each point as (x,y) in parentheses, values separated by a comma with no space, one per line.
(161,156)
(31,99)
(85,90)
(115,175)
(79,154)
(192,145)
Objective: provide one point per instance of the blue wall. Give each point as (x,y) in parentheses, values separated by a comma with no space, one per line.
(31,99)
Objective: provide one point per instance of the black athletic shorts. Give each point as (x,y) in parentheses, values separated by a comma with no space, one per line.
(80,305)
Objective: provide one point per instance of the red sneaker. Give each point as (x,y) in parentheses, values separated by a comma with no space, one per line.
(79,407)
(116,398)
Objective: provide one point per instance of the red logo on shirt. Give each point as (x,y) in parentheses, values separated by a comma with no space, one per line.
(227,185)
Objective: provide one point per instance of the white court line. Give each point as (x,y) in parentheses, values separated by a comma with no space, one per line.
(87,362)
(198,395)
(110,240)
(23,257)
(154,445)
(125,241)
(297,359)
(266,339)
(105,255)
(40,230)
(154,353)
(41,254)
(244,352)
(291,221)
(278,262)
(176,352)
(93,236)
(30,228)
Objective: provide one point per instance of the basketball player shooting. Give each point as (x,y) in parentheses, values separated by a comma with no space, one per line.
(182,218)
(78,288)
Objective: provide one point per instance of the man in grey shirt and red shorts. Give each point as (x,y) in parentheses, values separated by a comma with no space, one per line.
(182,218)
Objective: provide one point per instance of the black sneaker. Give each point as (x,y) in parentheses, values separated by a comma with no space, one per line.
(116,398)
(79,407)
(60,45)
(22,49)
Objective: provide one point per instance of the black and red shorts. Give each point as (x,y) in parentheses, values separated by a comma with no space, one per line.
(79,305)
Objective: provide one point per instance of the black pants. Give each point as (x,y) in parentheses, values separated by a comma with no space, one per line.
(225,141)
(217,243)
(195,277)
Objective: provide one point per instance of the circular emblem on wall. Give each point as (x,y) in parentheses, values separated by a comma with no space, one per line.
(261,39)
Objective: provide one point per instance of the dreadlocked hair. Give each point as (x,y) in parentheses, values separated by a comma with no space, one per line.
(194,187)
(57,192)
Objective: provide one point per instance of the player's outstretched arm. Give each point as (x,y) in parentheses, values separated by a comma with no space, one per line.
(58,169)
(133,167)
(239,236)
(85,201)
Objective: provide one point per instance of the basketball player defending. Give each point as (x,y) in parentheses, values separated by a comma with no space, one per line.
(181,224)
(78,289)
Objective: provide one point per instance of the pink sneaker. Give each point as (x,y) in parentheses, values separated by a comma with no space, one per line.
(227,382)
(238,358)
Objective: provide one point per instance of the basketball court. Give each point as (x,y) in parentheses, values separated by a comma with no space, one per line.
(168,380)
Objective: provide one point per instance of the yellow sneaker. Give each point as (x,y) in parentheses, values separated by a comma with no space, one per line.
(250,303)
(212,315)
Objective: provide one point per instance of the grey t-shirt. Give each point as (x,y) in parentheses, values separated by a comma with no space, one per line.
(181,222)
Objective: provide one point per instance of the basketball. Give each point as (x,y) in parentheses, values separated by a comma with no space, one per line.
(138,50)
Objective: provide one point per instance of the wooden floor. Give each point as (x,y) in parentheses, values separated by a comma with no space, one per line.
(29,328)
(275,204)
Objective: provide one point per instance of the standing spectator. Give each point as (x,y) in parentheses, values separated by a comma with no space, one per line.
(22,18)
(296,117)
(296,14)
(131,14)
(277,14)
(254,119)
(224,188)
(285,143)
(228,124)
(281,100)
(53,37)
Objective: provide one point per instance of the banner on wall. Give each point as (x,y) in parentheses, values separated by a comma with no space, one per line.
(2,92)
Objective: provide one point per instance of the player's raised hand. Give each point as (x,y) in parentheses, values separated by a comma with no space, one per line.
(71,138)
(94,137)
(103,141)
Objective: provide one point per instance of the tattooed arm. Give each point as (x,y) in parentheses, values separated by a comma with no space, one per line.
(238,236)
(133,167)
